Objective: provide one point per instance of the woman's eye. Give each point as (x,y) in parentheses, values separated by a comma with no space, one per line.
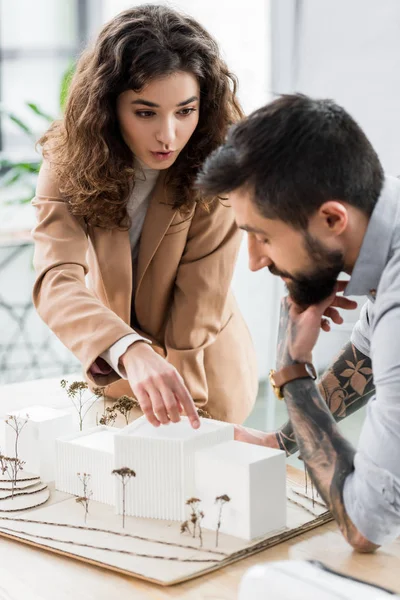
(186,111)
(145,114)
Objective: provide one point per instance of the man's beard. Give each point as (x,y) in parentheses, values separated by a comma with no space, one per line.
(306,290)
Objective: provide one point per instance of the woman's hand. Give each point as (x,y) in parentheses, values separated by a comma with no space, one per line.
(158,387)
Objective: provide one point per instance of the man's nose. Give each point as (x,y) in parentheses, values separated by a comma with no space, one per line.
(257,259)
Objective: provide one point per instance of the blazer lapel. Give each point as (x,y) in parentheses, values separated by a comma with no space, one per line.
(159,216)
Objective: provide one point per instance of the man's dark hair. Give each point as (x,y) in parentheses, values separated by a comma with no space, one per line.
(295,154)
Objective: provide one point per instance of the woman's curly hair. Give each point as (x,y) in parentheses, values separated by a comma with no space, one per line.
(93,165)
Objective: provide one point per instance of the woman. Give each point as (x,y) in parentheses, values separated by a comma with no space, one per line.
(115,202)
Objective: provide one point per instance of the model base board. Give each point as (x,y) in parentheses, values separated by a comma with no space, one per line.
(150,549)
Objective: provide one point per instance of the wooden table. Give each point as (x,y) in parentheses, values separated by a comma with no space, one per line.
(30,574)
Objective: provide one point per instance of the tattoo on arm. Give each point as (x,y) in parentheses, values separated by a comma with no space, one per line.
(327,454)
(345,387)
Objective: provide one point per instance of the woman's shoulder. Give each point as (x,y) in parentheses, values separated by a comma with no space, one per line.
(47,185)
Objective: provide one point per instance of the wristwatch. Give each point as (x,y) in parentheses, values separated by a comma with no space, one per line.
(297,371)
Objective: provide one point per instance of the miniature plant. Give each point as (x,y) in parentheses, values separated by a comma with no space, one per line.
(185,527)
(221,500)
(196,517)
(124,474)
(87,493)
(15,464)
(77,393)
(11,466)
(203,413)
(124,405)
(101,393)
(201,517)
(109,416)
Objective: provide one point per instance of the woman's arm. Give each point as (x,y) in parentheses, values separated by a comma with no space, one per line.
(60,295)
(83,323)
(200,294)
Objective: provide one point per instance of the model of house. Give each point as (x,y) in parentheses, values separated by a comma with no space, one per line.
(164,461)
(254,478)
(89,451)
(40,426)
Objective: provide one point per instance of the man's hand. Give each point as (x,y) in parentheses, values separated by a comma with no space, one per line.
(338,302)
(158,387)
(254,436)
(299,328)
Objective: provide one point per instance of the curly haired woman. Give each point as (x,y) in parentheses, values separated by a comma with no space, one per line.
(117,210)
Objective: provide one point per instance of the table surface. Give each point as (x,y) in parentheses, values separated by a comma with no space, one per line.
(32,574)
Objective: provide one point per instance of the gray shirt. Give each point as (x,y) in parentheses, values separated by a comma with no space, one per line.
(372,490)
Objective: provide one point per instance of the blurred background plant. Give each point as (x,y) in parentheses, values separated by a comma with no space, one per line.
(23,174)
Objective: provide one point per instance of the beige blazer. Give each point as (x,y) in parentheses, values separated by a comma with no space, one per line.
(183,301)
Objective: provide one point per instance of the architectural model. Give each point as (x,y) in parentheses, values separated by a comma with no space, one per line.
(90,451)
(173,468)
(42,425)
(253,477)
(164,461)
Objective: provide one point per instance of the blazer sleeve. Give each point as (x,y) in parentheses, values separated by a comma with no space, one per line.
(200,293)
(70,309)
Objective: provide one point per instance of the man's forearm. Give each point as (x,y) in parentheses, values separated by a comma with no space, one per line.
(345,387)
(327,454)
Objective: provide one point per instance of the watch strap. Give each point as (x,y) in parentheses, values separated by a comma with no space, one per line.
(290,373)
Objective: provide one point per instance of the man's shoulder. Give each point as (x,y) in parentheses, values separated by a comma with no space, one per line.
(390,278)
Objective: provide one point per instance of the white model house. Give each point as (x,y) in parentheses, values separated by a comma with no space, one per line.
(254,478)
(40,427)
(89,451)
(172,464)
(164,461)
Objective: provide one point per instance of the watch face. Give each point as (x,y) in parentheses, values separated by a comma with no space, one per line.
(311,370)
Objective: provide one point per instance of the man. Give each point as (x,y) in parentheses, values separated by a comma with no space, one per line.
(308,187)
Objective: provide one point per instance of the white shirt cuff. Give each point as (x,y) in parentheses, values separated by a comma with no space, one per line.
(113,354)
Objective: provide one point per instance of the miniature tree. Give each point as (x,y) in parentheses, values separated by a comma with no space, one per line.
(194,507)
(11,466)
(201,517)
(77,393)
(203,413)
(14,464)
(196,517)
(124,474)
(109,416)
(124,405)
(101,393)
(221,500)
(87,493)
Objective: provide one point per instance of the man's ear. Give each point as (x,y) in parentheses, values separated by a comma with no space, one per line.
(331,219)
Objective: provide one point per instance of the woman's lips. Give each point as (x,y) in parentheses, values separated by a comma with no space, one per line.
(162,155)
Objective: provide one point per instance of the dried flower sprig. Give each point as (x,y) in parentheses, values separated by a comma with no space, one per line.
(124,405)
(203,413)
(124,474)
(221,500)
(108,417)
(87,493)
(77,392)
(196,517)
(14,464)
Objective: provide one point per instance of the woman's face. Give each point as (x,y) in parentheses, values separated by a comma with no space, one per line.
(157,122)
